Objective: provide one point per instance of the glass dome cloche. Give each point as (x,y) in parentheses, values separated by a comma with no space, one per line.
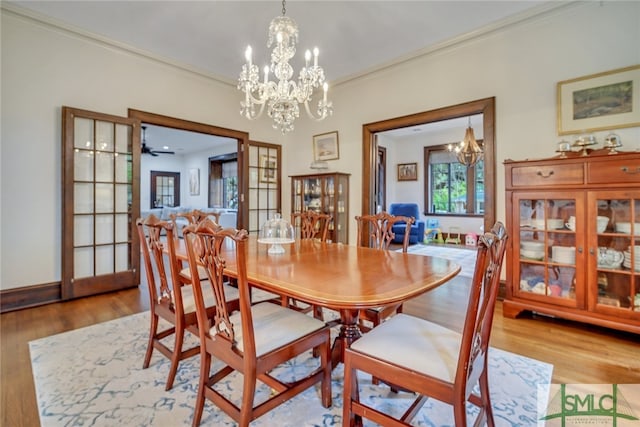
(276,232)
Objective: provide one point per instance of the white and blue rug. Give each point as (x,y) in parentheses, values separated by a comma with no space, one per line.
(93,377)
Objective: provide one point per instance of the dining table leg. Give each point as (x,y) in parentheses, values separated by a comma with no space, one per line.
(349,332)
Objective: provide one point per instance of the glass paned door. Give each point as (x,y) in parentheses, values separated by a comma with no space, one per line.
(100,192)
(263,184)
(548,246)
(614,249)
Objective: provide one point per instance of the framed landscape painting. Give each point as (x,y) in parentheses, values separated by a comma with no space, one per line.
(609,100)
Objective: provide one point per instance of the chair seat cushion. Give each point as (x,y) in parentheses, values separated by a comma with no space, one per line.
(189,302)
(274,326)
(202,273)
(414,343)
(258,295)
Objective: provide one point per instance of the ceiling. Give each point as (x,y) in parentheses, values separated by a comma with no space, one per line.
(354,37)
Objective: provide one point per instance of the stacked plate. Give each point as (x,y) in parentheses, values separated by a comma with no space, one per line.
(563,254)
(532,249)
(635,261)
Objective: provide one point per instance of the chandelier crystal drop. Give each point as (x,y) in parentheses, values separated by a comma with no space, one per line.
(468,151)
(283,98)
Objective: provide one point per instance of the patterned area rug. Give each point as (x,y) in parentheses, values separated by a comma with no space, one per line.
(94,377)
(466,257)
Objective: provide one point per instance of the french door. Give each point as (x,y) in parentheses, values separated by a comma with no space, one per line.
(263,185)
(100,202)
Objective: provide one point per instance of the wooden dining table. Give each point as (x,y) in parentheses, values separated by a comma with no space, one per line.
(340,277)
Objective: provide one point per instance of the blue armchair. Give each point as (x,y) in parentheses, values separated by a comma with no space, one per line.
(417,229)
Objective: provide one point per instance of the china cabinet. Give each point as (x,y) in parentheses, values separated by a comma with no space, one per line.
(326,193)
(575,251)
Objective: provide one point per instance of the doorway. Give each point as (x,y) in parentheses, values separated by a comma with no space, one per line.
(370,172)
(242,139)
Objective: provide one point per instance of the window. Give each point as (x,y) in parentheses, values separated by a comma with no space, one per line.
(451,187)
(165,189)
(223,182)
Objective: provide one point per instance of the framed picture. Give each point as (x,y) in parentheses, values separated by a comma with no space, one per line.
(268,166)
(609,100)
(194,181)
(325,146)
(407,172)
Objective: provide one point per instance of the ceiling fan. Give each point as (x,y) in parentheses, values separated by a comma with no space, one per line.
(149,150)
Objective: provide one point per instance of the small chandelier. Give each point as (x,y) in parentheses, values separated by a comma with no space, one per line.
(282,99)
(468,151)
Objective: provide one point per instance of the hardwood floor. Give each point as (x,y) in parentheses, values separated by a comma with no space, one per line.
(579,353)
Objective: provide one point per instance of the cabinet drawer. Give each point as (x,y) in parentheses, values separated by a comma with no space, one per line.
(614,172)
(530,176)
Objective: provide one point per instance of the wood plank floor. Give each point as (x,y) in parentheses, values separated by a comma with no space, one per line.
(579,353)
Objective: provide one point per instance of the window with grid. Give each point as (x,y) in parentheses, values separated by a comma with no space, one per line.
(451,187)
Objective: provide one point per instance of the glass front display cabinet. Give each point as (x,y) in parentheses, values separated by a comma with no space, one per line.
(326,193)
(575,229)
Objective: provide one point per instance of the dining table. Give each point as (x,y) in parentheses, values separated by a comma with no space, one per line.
(339,277)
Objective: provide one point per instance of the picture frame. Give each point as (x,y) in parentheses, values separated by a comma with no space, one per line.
(194,181)
(607,100)
(325,146)
(407,171)
(267,169)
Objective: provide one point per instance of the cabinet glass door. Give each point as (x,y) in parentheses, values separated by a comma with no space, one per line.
(614,223)
(547,248)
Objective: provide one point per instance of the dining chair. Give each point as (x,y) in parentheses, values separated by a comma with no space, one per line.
(191,217)
(379,229)
(170,293)
(431,360)
(252,341)
(312,225)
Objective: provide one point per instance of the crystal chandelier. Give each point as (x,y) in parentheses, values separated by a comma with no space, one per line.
(282,98)
(468,151)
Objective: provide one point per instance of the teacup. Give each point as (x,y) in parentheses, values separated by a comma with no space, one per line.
(571,225)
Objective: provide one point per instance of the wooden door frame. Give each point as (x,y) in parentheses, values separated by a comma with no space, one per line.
(240,136)
(485,106)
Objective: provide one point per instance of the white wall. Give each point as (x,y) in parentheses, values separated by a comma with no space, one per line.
(44,68)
